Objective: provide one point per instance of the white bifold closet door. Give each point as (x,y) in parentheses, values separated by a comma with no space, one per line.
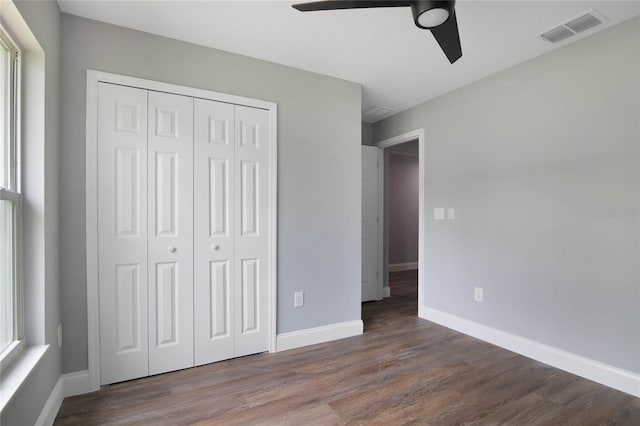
(183,231)
(214,219)
(145,228)
(170,231)
(122,233)
(230,230)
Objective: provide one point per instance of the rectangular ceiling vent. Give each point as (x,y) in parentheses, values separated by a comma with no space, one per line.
(583,23)
(574,26)
(376,113)
(557,34)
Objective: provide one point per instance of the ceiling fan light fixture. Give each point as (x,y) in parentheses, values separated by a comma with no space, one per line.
(429,14)
(433,17)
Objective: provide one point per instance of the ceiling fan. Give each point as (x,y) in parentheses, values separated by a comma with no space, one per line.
(436,15)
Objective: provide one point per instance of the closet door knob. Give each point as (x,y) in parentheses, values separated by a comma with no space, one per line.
(215,247)
(172,249)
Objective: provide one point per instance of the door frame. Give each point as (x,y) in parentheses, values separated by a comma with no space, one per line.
(412,135)
(93,305)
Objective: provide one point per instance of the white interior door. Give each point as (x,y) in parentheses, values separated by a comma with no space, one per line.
(122,232)
(252,139)
(170,232)
(184,222)
(371,262)
(214,229)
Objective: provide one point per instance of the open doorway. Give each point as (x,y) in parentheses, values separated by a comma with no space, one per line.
(400,223)
(400,240)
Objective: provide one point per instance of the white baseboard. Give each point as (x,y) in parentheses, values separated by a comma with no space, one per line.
(397,267)
(386,291)
(67,385)
(617,378)
(50,410)
(312,336)
(76,383)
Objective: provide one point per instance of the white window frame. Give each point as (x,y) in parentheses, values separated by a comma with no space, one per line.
(30,236)
(14,195)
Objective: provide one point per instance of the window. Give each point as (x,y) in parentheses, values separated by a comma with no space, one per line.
(9,195)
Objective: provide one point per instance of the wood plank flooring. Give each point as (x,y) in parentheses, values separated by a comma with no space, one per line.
(402,371)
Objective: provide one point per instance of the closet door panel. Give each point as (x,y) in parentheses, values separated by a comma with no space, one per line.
(252,139)
(170,232)
(214,223)
(122,232)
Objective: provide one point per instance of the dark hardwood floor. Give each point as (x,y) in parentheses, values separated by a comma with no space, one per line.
(403,370)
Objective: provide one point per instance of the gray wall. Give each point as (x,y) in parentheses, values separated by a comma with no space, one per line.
(43,18)
(319,137)
(402,174)
(367,133)
(532,158)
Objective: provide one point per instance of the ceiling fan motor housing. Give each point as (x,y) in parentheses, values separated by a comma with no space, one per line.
(439,12)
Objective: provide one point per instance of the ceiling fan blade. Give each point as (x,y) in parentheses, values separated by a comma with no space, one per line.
(448,38)
(347,4)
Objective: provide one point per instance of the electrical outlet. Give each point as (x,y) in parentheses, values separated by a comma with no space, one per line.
(479,294)
(59,335)
(451,213)
(298,299)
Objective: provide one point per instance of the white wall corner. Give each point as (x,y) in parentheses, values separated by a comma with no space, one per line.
(397,267)
(76,383)
(50,410)
(313,336)
(614,377)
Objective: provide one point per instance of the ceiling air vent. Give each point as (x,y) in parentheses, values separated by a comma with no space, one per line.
(557,34)
(584,22)
(376,113)
(574,26)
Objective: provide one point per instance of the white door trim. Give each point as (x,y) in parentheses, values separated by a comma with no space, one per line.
(396,140)
(93,78)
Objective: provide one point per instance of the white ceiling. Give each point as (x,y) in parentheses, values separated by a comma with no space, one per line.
(398,65)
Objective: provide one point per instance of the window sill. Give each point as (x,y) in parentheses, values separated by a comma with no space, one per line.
(13,376)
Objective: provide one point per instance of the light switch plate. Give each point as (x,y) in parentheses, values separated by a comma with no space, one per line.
(478,294)
(451,213)
(438,213)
